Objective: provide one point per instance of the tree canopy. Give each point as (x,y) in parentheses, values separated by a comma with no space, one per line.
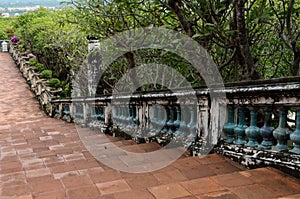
(247,39)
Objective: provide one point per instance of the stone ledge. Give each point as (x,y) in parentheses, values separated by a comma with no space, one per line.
(254,158)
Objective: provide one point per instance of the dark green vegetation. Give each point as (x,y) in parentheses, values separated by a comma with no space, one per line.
(257,39)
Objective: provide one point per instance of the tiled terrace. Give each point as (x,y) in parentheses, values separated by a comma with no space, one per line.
(42,157)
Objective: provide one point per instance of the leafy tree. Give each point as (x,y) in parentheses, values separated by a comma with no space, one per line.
(57,44)
(287,27)
(247,39)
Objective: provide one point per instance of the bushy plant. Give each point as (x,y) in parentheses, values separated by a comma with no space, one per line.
(46,74)
(54,83)
(33,62)
(39,67)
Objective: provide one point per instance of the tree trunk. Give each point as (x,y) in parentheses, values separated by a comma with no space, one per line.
(185,25)
(244,53)
(133,75)
(296,63)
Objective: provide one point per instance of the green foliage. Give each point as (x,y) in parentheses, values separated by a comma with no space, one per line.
(54,83)
(33,62)
(2,35)
(66,91)
(56,43)
(270,33)
(46,74)
(210,23)
(40,67)
(6,30)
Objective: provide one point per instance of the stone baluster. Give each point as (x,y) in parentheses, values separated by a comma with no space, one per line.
(239,130)
(295,136)
(281,133)
(66,113)
(253,132)
(115,114)
(93,113)
(57,113)
(154,118)
(101,114)
(122,115)
(78,111)
(163,120)
(170,122)
(126,115)
(177,121)
(66,110)
(129,116)
(158,121)
(185,117)
(266,131)
(228,128)
(134,115)
(192,128)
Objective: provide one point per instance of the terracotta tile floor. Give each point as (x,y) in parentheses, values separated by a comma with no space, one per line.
(42,157)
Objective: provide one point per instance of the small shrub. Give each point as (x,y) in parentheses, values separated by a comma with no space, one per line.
(46,74)
(33,62)
(39,67)
(54,83)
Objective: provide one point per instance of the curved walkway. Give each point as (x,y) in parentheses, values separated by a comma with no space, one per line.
(42,157)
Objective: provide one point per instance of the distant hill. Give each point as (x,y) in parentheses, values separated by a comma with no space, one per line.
(20,6)
(23,3)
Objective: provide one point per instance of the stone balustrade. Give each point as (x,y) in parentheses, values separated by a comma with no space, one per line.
(38,85)
(249,126)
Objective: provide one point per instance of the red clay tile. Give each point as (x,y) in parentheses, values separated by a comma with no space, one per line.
(15,190)
(201,186)
(138,182)
(10,167)
(38,172)
(105,176)
(76,181)
(27,196)
(197,172)
(232,180)
(224,194)
(51,195)
(169,191)
(51,185)
(170,176)
(253,191)
(89,191)
(113,187)
(134,194)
